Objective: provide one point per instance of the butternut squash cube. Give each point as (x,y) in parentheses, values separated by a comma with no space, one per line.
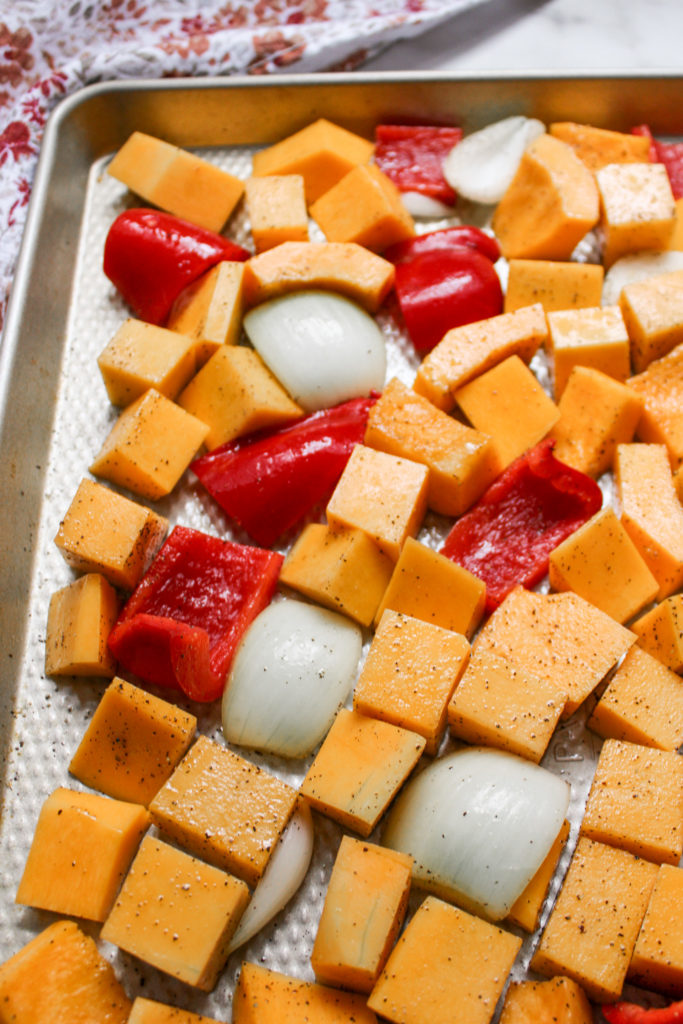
(509,404)
(150,446)
(660,632)
(598,147)
(177,181)
(363,207)
(653,314)
(342,570)
(106,533)
(465,352)
(567,641)
(81,849)
(643,703)
(638,210)
(657,961)
(550,204)
(588,337)
(177,913)
(525,912)
(263,996)
(660,387)
(596,414)
(77,985)
(235,393)
(409,674)
(342,267)
(132,744)
(322,152)
(79,620)
(636,801)
(429,586)
(359,769)
(148,1011)
(592,929)
(276,206)
(651,511)
(382,494)
(142,356)
(210,309)
(600,562)
(462,462)
(555,284)
(224,809)
(498,705)
(447,965)
(559,1000)
(364,909)
(676,241)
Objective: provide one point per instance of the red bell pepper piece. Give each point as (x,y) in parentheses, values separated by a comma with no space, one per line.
(631,1013)
(668,153)
(506,537)
(445,279)
(182,623)
(270,480)
(151,256)
(461,236)
(413,156)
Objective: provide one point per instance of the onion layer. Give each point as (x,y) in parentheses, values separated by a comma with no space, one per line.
(292,672)
(482,166)
(284,874)
(637,266)
(479,824)
(323,348)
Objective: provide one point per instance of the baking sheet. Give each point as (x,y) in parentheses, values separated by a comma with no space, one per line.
(55,415)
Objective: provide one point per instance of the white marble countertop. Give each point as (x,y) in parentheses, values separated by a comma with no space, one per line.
(600,35)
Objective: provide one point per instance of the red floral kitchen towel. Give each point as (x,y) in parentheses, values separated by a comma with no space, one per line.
(50,48)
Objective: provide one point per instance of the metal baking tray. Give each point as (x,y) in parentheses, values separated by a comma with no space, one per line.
(54,413)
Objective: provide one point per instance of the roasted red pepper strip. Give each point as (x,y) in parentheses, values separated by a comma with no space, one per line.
(445,279)
(506,537)
(631,1013)
(413,155)
(668,153)
(183,621)
(151,256)
(269,481)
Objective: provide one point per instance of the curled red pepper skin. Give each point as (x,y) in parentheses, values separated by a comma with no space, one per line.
(150,256)
(460,236)
(446,288)
(631,1013)
(668,153)
(413,155)
(506,537)
(182,623)
(268,481)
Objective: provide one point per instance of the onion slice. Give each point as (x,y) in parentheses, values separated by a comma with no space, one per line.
(421,206)
(483,164)
(322,347)
(282,877)
(293,670)
(479,824)
(638,266)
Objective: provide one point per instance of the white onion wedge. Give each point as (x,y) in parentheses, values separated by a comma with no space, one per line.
(421,206)
(292,672)
(479,823)
(483,164)
(322,347)
(637,266)
(282,877)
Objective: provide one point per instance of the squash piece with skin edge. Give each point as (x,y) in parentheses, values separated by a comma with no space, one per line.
(343,267)
(551,203)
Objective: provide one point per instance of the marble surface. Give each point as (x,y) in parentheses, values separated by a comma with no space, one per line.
(600,35)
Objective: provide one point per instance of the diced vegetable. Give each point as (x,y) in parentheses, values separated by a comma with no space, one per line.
(482,166)
(413,155)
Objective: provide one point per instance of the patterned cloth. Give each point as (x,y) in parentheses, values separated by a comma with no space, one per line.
(51,48)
